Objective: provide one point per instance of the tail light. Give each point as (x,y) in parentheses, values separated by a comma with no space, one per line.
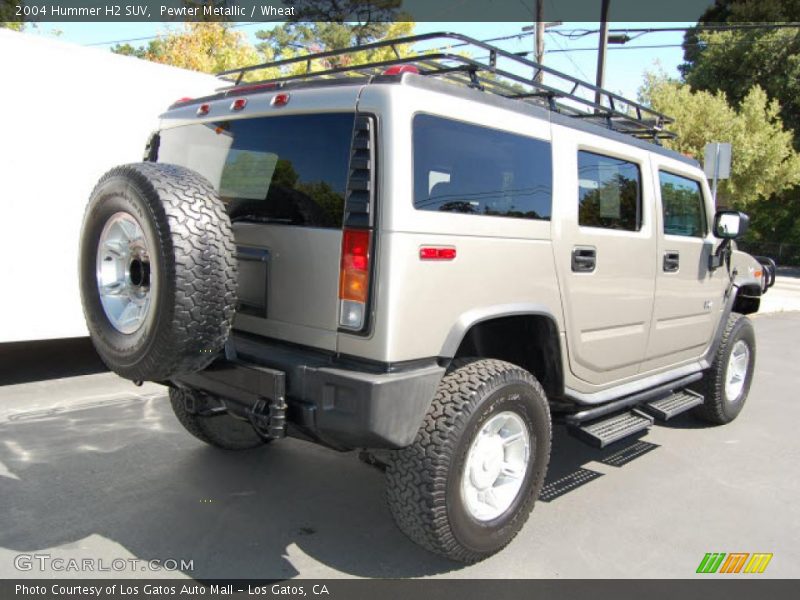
(354,278)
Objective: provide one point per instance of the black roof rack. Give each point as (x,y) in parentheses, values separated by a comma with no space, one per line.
(496,71)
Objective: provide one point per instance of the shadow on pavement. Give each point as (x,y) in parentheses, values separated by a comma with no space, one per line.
(23,362)
(126,471)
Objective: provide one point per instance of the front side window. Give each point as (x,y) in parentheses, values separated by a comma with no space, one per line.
(288,170)
(682,205)
(609,192)
(468,169)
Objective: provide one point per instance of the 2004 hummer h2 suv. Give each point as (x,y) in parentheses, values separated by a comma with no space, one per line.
(427,259)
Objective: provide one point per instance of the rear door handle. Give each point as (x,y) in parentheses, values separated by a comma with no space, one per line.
(672,262)
(584,259)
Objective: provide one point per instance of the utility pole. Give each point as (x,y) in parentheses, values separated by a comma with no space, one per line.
(601,51)
(539,38)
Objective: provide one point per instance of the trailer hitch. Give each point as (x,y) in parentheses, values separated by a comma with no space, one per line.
(244,389)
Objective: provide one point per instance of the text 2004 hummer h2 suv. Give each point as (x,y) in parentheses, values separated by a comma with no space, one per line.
(430,262)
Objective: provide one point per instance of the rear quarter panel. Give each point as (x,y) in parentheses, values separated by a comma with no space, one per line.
(500,261)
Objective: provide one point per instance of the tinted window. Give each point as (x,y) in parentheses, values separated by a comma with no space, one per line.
(289,169)
(469,169)
(609,192)
(682,204)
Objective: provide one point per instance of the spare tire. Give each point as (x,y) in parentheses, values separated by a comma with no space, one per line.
(157,271)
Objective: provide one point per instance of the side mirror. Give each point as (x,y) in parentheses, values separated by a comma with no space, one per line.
(730,224)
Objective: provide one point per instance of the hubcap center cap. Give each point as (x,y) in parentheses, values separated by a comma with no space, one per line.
(488,461)
(125,274)
(139,273)
(496,465)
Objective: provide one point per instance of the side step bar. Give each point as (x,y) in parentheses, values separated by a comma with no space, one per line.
(602,433)
(667,407)
(603,430)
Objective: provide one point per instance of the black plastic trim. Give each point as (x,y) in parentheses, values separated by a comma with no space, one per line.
(326,399)
(632,400)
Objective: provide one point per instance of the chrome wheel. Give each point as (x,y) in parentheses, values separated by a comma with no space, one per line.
(496,464)
(125,276)
(736,372)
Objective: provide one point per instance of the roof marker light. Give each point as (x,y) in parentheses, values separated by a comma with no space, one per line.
(280,100)
(203,109)
(239,104)
(399,69)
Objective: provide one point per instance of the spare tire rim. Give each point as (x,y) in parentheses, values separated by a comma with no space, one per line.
(496,465)
(736,373)
(125,276)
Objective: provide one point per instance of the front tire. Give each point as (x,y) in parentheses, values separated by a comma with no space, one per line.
(727,383)
(446,491)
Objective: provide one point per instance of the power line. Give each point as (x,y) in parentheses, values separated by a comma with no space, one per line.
(654,46)
(153,37)
(574,34)
(569,58)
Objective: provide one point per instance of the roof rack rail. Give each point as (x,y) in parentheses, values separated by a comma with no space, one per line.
(496,71)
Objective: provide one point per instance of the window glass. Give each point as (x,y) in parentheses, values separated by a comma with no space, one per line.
(609,192)
(476,170)
(682,205)
(290,169)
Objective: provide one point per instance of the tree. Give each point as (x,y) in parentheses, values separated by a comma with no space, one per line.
(8,10)
(735,61)
(764,161)
(296,39)
(321,25)
(206,47)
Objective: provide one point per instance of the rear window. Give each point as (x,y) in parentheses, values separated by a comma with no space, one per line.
(465,168)
(289,169)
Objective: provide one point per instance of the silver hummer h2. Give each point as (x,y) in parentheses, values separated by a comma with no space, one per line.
(429,260)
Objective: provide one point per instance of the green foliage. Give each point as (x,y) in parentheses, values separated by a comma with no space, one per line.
(128,50)
(764,161)
(297,39)
(8,15)
(205,47)
(736,61)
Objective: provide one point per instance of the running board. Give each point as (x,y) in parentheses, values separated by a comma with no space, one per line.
(667,407)
(607,431)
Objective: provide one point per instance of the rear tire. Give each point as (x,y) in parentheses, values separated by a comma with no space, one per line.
(727,383)
(438,487)
(221,431)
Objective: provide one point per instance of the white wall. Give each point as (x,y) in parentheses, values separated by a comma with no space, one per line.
(67,115)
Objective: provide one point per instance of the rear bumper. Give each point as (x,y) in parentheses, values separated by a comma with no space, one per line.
(341,404)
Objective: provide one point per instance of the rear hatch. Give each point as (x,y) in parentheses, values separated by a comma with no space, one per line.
(284,180)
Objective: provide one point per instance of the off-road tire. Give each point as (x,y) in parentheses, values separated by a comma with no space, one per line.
(424,479)
(193,253)
(717,408)
(222,431)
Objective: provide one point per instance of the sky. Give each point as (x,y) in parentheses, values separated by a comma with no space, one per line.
(625,65)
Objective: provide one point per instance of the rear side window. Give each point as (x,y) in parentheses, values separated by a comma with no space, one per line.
(464,168)
(682,205)
(289,169)
(609,192)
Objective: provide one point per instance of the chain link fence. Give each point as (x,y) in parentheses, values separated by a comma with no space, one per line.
(783,254)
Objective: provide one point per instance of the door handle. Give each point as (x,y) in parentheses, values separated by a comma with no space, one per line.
(672,261)
(584,259)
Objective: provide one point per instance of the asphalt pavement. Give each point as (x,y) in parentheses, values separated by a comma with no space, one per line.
(92,467)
